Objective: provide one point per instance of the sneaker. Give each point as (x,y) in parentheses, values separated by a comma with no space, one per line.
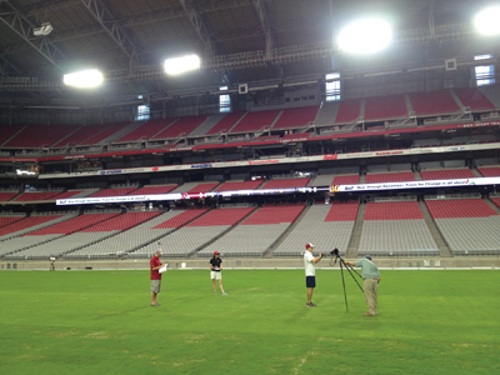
(215,293)
(368,314)
(310,304)
(155,304)
(224,293)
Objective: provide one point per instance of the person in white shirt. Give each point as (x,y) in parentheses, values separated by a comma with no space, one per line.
(309,262)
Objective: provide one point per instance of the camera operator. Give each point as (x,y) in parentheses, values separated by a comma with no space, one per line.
(371,277)
(309,263)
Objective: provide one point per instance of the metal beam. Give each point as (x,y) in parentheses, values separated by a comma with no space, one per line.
(113,28)
(199,27)
(265,24)
(16,21)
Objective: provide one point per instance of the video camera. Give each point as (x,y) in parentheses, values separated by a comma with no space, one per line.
(335,252)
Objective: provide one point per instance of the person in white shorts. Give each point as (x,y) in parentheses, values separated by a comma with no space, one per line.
(216,272)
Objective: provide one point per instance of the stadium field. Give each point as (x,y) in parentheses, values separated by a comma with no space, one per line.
(100,322)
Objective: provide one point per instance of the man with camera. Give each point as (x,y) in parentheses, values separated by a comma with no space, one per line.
(309,262)
(371,277)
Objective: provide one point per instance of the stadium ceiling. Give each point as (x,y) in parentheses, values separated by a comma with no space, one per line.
(239,41)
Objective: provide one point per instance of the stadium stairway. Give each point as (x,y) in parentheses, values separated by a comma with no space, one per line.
(269,251)
(492,205)
(352,249)
(444,250)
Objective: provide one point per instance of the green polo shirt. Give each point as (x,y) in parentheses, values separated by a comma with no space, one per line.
(368,269)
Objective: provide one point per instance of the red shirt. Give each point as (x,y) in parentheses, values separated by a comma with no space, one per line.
(155,262)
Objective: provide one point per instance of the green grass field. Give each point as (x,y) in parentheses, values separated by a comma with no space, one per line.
(100,322)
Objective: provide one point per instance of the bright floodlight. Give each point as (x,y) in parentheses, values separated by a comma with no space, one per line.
(179,65)
(84,79)
(365,36)
(486,21)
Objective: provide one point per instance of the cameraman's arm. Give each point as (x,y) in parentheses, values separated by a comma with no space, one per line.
(349,263)
(318,258)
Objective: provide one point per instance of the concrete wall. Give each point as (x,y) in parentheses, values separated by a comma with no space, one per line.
(490,262)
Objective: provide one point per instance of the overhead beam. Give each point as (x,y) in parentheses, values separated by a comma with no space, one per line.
(17,22)
(113,28)
(266,26)
(199,27)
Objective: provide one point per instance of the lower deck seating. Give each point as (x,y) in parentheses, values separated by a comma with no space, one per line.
(316,227)
(471,236)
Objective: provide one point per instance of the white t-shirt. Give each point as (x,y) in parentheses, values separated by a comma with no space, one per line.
(308,264)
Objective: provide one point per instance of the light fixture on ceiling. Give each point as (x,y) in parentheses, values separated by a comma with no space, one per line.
(486,21)
(84,79)
(179,65)
(44,30)
(365,36)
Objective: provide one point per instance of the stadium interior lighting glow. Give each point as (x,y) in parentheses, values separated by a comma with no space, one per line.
(365,36)
(84,79)
(179,65)
(486,21)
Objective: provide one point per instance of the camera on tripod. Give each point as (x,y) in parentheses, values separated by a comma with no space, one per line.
(335,252)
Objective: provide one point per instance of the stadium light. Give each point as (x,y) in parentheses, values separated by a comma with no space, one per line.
(84,79)
(365,36)
(179,65)
(486,21)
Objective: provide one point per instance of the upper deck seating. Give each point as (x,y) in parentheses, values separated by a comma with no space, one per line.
(226,123)
(296,117)
(254,121)
(40,135)
(79,136)
(327,113)
(145,131)
(474,99)
(180,128)
(433,103)
(385,108)
(349,111)
(7,131)
(104,133)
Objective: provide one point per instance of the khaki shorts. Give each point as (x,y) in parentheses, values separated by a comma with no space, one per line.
(155,286)
(215,275)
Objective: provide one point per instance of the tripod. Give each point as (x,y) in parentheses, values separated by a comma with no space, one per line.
(343,265)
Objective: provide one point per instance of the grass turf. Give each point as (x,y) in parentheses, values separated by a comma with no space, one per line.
(100,322)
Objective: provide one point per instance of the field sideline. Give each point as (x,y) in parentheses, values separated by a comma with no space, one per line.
(100,322)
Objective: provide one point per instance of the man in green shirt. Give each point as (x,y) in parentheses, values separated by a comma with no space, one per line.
(371,277)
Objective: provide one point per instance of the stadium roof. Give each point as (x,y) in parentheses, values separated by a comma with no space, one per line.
(238,41)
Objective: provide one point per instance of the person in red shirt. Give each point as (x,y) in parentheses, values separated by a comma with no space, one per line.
(154,265)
